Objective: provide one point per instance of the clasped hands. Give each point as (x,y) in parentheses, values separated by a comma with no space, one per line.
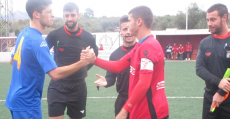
(88,55)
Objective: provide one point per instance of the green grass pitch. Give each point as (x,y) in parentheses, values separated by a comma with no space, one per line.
(183,89)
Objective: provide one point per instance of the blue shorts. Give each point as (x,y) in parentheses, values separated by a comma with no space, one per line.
(32,114)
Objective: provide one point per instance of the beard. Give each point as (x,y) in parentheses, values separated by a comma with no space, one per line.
(72,26)
(217,29)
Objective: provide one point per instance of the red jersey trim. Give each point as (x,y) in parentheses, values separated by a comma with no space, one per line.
(123,48)
(79,33)
(221,37)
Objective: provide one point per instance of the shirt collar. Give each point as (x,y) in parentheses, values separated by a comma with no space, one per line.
(142,40)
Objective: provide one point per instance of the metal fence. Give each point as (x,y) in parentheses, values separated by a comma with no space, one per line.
(7,44)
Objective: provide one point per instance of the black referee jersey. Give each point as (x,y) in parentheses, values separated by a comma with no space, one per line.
(212,62)
(122,84)
(68,47)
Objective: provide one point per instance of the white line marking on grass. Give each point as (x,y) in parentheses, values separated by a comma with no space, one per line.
(185,97)
(116,97)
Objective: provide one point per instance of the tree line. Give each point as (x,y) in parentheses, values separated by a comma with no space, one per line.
(196,20)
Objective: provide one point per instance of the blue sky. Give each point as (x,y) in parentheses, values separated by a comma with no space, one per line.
(120,7)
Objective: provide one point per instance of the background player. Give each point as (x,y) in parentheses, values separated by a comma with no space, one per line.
(168,52)
(212,62)
(31,60)
(122,83)
(147,97)
(181,52)
(188,49)
(174,51)
(68,41)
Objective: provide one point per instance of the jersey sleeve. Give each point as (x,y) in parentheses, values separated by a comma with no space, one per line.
(148,56)
(115,66)
(50,39)
(42,54)
(139,91)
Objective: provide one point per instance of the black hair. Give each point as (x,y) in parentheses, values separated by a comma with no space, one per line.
(144,13)
(36,5)
(124,19)
(221,8)
(70,6)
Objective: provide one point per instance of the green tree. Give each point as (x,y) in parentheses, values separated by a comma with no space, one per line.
(89,13)
(195,14)
(180,20)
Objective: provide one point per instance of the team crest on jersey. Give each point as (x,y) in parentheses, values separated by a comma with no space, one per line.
(208,54)
(160,85)
(146,64)
(43,44)
(228,54)
(132,70)
(146,53)
(61,49)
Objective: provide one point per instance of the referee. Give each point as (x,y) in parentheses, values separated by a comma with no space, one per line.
(212,62)
(122,77)
(68,42)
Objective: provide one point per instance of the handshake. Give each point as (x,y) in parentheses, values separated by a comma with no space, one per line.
(88,55)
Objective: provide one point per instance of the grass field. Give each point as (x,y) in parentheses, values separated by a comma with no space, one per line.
(184,91)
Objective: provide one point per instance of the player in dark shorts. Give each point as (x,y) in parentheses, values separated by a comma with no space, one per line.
(147,99)
(168,52)
(68,42)
(122,83)
(212,62)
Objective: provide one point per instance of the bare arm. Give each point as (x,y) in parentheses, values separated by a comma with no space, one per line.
(62,72)
(11,61)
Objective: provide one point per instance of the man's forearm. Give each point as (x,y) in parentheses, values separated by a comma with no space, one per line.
(11,61)
(62,72)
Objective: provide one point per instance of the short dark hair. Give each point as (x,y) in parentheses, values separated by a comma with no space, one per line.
(36,5)
(70,6)
(144,13)
(123,19)
(221,8)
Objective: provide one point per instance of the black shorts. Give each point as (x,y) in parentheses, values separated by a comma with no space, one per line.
(121,100)
(70,95)
(222,112)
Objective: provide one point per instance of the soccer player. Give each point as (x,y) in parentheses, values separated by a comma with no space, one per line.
(122,83)
(188,49)
(68,42)
(147,99)
(168,51)
(174,50)
(212,61)
(181,52)
(31,60)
